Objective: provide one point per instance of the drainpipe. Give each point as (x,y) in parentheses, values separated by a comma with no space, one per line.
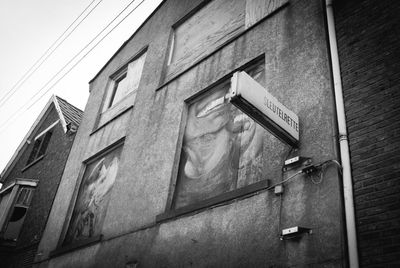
(343,141)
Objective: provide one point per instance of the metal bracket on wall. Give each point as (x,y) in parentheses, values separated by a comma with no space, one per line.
(294,232)
(296,162)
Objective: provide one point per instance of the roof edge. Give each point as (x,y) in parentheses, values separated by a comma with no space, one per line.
(10,164)
(60,114)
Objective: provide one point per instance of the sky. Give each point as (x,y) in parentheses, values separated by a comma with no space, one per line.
(28,28)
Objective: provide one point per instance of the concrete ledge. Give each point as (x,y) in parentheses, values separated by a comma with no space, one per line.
(242,192)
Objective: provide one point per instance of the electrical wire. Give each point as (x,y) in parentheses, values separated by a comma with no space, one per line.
(323,167)
(285,180)
(50,50)
(15,115)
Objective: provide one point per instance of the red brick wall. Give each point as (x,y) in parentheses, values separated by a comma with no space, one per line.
(368,35)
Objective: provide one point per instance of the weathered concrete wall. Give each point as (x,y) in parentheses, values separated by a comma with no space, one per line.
(369,42)
(239,233)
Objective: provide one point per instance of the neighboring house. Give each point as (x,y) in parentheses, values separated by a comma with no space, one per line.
(368,34)
(166,172)
(30,181)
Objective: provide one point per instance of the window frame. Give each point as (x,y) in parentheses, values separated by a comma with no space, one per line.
(239,193)
(108,111)
(119,75)
(61,246)
(36,156)
(116,81)
(14,189)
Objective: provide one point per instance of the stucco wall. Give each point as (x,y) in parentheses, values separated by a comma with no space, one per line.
(243,232)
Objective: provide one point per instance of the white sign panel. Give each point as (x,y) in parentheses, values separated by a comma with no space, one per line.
(254,100)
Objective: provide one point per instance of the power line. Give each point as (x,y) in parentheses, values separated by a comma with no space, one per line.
(15,115)
(42,59)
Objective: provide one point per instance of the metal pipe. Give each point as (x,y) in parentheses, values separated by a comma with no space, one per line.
(343,141)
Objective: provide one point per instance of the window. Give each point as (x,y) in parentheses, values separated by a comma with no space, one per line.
(15,200)
(126,81)
(211,25)
(121,90)
(39,147)
(223,149)
(93,197)
(201,32)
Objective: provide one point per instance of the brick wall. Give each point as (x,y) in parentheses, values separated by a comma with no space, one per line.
(369,43)
(48,171)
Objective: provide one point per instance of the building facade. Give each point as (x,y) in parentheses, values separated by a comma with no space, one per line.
(166,172)
(30,182)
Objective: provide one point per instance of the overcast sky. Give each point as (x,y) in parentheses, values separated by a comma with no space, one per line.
(27,29)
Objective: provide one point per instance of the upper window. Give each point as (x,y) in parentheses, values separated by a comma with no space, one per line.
(126,81)
(14,203)
(203,31)
(211,25)
(122,89)
(39,147)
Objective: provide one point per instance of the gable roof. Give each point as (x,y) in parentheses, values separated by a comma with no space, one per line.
(67,114)
(70,112)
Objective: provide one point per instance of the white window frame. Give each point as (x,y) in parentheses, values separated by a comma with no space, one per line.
(124,73)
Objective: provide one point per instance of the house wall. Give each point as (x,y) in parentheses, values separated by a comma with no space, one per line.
(240,233)
(369,42)
(48,171)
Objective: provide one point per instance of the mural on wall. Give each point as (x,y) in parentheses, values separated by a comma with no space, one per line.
(222,147)
(93,197)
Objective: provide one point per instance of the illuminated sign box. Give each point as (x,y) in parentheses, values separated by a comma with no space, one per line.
(255,101)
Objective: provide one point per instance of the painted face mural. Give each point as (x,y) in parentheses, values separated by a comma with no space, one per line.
(93,197)
(222,148)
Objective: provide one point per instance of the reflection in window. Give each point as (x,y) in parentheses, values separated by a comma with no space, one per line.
(223,149)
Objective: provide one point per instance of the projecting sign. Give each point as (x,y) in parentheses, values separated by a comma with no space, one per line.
(255,101)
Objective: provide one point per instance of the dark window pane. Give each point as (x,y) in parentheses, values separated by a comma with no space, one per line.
(24,197)
(45,142)
(120,89)
(18,213)
(34,151)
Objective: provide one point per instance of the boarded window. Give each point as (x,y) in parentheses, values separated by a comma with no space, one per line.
(201,33)
(127,81)
(122,89)
(223,149)
(93,197)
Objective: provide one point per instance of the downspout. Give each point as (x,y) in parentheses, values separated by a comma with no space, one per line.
(343,141)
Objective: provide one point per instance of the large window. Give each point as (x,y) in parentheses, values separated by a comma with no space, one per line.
(210,25)
(223,149)
(93,197)
(15,200)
